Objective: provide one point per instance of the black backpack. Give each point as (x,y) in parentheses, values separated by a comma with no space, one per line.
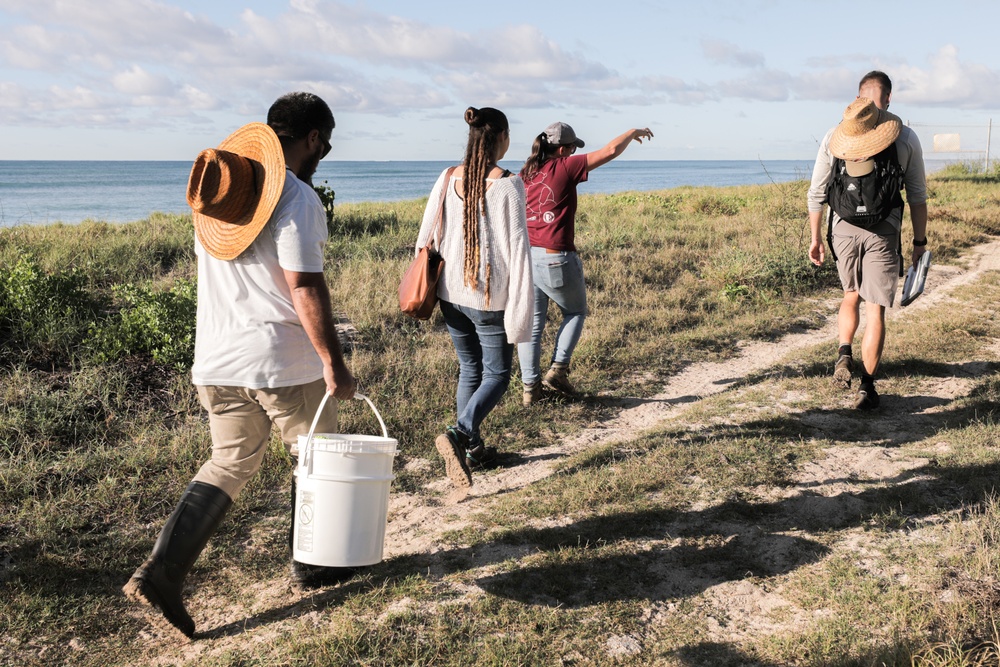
(866,200)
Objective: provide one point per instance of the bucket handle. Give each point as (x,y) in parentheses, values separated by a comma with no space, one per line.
(312,429)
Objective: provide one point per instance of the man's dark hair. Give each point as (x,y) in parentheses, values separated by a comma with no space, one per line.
(294,115)
(881,78)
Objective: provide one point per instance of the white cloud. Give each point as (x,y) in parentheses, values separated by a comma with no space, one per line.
(30,47)
(677,90)
(390,97)
(76,98)
(13,99)
(359,59)
(727,53)
(137,81)
(144,62)
(765,85)
(947,82)
(199,100)
(835,84)
(339,29)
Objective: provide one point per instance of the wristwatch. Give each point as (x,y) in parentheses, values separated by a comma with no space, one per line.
(920,244)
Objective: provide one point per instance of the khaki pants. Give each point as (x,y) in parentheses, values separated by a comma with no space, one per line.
(240,420)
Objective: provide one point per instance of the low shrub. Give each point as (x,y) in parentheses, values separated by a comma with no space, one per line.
(160,323)
(44,315)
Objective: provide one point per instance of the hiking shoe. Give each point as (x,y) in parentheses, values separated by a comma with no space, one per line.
(451,447)
(557,380)
(867,398)
(842,371)
(481,457)
(532,394)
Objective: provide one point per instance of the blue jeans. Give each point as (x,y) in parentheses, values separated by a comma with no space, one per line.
(557,276)
(485,359)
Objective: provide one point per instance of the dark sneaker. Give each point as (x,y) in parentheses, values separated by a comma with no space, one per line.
(557,380)
(532,394)
(452,450)
(867,398)
(481,457)
(842,371)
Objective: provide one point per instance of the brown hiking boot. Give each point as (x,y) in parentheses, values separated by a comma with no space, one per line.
(532,394)
(557,380)
(867,398)
(451,447)
(842,372)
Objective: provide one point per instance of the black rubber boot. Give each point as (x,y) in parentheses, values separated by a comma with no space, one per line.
(305,576)
(159,581)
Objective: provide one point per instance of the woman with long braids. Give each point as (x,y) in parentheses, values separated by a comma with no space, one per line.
(485,292)
(551,175)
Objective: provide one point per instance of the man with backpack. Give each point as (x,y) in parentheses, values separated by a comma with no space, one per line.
(861,166)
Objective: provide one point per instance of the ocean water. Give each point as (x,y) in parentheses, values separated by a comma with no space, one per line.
(40,192)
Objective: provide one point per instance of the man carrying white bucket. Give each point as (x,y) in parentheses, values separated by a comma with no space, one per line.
(266,348)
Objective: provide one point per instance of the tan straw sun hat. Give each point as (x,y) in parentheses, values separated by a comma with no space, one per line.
(234,188)
(865,131)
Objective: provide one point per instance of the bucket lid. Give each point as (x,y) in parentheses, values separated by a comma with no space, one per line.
(350,444)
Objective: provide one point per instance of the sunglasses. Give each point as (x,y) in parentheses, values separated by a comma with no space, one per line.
(326,147)
(326,143)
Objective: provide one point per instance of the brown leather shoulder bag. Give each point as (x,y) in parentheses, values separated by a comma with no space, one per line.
(418,289)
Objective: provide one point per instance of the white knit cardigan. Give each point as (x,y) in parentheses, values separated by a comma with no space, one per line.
(503,241)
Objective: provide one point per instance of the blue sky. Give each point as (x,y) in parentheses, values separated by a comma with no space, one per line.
(715,79)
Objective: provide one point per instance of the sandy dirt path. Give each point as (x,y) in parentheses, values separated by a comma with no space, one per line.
(417,521)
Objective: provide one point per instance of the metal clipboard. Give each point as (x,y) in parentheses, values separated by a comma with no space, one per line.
(913,286)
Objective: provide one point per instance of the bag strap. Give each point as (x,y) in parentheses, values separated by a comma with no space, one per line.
(892,159)
(835,173)
(829,233)
(440,211)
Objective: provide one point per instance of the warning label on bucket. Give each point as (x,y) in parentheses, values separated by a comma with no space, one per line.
(304,527)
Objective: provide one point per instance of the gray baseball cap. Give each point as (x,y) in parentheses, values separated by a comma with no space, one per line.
(561,134)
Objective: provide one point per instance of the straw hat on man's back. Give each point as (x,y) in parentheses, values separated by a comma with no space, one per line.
(233,189)
(865,131)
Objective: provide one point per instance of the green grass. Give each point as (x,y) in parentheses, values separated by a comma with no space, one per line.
(615,557)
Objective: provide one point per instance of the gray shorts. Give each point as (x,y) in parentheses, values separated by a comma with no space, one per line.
(868,260)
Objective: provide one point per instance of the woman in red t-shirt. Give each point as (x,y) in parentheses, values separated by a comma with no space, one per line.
(551,174)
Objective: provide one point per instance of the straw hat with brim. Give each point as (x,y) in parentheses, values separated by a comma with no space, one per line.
(234,188)
(865,131)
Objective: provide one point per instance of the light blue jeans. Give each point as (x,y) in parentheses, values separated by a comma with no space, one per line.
(559,277)
(485,359)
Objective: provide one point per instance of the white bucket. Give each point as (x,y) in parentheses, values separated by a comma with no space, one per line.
(342,496)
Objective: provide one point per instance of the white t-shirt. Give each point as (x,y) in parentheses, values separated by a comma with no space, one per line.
(249,334)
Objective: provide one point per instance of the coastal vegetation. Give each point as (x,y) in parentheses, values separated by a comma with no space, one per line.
(623,555)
